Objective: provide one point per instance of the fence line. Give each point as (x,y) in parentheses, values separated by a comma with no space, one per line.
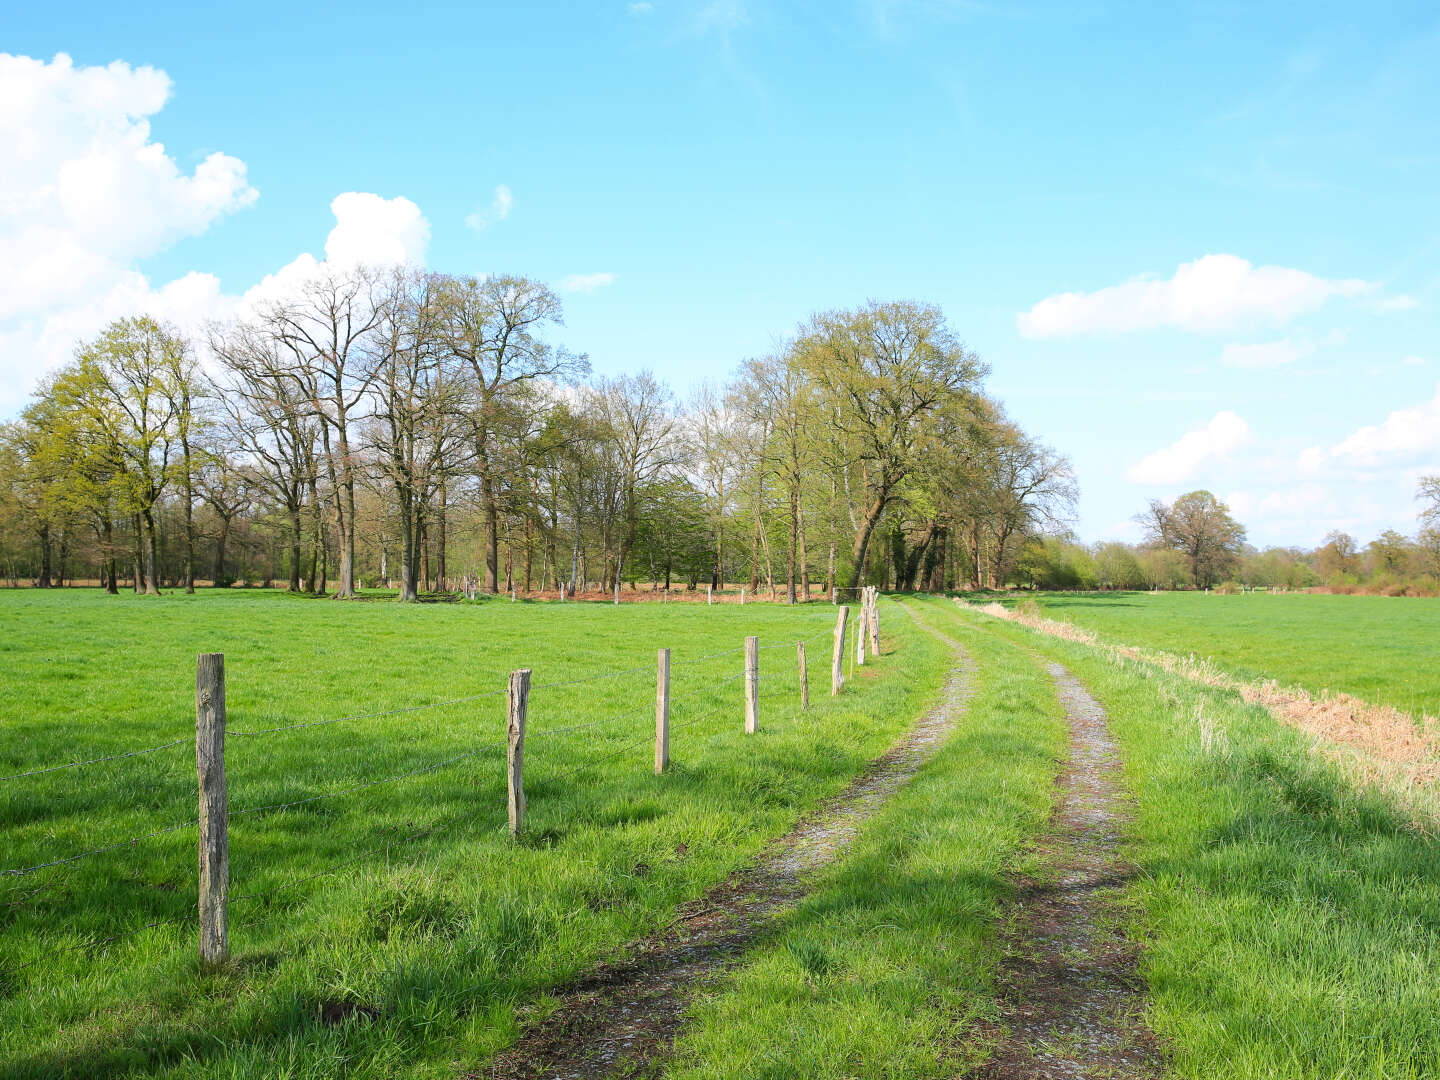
(95,760)
(213,916)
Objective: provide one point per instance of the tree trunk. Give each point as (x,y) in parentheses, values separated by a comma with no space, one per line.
(107,528)
(804,555)
(189,522)
(794,543)
(152,553)
(491,515)
(862,538)
(297,533)
(137,577)
(441,570)
(408,558)
(217,576)
(44,580)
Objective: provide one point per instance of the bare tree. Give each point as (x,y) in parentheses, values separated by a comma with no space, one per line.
(494,325)
(327,331)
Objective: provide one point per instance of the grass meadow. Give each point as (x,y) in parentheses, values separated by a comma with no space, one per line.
(887,969)
(403,903)
(1383,649)
(1290,921)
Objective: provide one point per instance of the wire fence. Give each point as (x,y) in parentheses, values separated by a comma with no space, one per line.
(615,725)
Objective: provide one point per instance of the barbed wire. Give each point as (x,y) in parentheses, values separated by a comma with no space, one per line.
(193,822)
(370,715)
(70,859)
(368,784)
(96,760)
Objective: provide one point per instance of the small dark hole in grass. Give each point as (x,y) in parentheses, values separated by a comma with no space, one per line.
(335,1013)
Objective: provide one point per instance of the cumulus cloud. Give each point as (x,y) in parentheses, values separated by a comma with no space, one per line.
(1178,462)
(85,190)
(499,210)
(1405,435)
(85,194)
(585,283)
(1213,293)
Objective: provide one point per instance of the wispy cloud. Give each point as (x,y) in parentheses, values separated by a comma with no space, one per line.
(498,210)
(640,9)
(586,283)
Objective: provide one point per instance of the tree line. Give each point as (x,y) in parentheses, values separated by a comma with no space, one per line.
(397,425)
(1194,542)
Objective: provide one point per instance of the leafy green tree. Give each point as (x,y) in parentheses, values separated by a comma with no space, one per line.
(1199,526)
(882,371)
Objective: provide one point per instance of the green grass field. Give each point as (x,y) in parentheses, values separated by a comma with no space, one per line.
(886,969)
(1287,920)
(1383,649)
(1290,923)
(406,897)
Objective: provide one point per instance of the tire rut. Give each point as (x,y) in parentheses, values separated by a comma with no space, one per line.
(1072,999)
(618,1019)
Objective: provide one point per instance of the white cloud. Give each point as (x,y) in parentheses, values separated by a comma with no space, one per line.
(370,229)
(1268,355)
(498,210)
(85,193)
(585,283)
(1413,361)
(1213,293)
(1402,436)
(1179,461)
(641,8)
(1397,303)
(1311,460)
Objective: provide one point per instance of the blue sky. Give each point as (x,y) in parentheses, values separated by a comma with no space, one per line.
(701,176)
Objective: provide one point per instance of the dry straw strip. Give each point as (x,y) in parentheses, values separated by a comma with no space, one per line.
(1380,744)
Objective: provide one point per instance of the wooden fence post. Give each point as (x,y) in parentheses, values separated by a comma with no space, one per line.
(214,810)
(709,594)
(662,711)
(617,591)
(518,700)
(837,657)
(875,623)
(860,635)
(752,685)
(804,675)
(742,595)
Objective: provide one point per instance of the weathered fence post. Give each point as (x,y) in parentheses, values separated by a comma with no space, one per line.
(518,700)
(742,595)
(875,622)
(752,685)
(837,657)
(709,594)
(214,811)
(617,591)
(662,711)
(804,675)
(860,635)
